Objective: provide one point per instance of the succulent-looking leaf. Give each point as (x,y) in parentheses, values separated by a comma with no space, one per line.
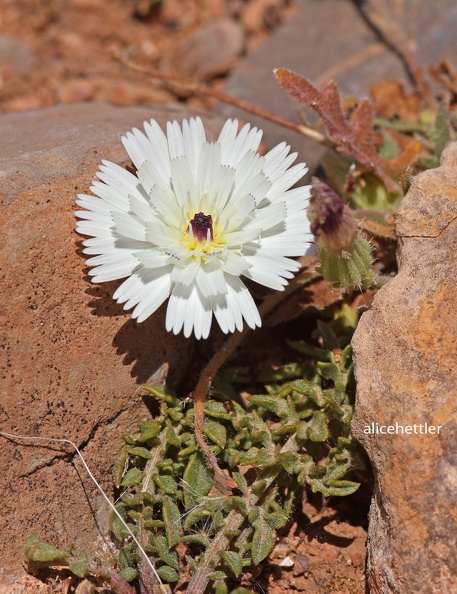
(132,477)
(233,561)
(172,521)
(166,483)
(140,452)
(128,574)
(40,552)
(163,550)
(120,466)
(262,540)
(79,568)
(215,431)
(163,393)
(167,573)
(196,481)
(149,430)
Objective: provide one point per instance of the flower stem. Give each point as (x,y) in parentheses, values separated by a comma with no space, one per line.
(218,359)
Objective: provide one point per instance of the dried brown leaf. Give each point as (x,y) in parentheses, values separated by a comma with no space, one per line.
(314,297)
(391,100)
(355,137)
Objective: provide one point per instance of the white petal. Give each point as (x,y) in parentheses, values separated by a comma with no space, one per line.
(235,264)
(110,272)
(129,226)
(183,183)
(152,258)
(193,134)
(268,217)
(211,280)
(160,234)
(153,282)
(120,179)
(236,305)
(175,140)
(157,294)
(141,209)
(286,181)
(185,273)
(188,309)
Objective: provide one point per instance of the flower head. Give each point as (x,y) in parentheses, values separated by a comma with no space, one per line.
(196,216)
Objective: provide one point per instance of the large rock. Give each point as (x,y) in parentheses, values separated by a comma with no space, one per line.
(405,356)
(72,361)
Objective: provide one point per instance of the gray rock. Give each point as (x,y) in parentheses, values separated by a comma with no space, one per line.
(328,39)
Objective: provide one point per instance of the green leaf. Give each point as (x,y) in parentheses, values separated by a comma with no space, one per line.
(196,481)
(216,432)
(166,483)
(221,589)
(191,563)
(132,477)
(262,540)
(440,133)
(172,521)
(167,573)
(240,482)
(119,466)
(163,393)
(316,429)
(311,351)
(199,539)
(163,550)
(149,429)
(140,452)
(339,489)
(40,552)
(217,576)
(128,574)
(79,568)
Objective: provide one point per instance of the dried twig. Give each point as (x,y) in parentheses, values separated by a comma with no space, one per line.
(205,91)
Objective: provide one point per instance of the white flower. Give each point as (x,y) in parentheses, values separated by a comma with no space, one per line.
(196,217)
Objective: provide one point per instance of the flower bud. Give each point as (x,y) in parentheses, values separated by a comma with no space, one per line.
(345,256)
(332,223)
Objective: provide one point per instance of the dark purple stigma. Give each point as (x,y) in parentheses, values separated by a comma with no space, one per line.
(200,225)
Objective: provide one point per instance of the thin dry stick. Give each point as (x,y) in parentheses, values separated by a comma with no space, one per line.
(208,374)
(205,91)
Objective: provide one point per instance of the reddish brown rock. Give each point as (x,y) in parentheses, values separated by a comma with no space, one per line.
(405,355)
(72,362)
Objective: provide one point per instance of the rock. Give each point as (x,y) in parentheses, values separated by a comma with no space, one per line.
(350,53)
(212,50)
(262,14)
(15,54)
(72,360)
(404,350)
